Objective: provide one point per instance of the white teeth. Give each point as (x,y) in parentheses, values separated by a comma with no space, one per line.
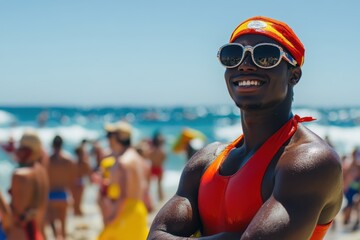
(249,83)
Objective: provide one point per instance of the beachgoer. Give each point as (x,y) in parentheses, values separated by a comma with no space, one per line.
(5,217)
(351,172)
(102,176)
(83,171)
(143,149)
(9,147)
(98,153)
(125,214)
(29,189)
(190,141)
(278,180)
(157,156)
(62,174)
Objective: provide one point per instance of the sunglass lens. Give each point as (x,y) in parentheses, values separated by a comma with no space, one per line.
(266,55)
(231,55)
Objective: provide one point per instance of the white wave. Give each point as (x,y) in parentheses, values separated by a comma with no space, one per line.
(6,118)
(71,134)
(228,133)
(344,139)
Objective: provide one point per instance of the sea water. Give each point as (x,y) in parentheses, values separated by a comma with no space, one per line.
(217,123)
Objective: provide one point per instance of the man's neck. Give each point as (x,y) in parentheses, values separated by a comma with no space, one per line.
(120,151)
(26,163)
(259,125)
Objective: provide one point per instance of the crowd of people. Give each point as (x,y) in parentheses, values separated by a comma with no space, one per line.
(45,185)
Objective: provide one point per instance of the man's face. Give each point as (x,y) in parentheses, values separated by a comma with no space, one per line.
(271,85)
(111,136)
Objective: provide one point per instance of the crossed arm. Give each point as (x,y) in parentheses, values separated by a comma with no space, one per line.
(304,195)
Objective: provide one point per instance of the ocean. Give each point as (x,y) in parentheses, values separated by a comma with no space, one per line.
(217,123)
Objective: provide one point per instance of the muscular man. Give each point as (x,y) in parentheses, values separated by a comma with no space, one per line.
(62,172)
(29,189)
(278,180)
(125,215)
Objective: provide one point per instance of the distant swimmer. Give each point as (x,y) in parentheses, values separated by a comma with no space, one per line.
(29,189)
(62,175)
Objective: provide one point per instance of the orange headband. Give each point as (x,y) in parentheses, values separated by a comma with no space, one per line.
(274,29)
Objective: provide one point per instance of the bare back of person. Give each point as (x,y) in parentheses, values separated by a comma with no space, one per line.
(83,170)
(29,199)
(132,163)
(61,173)
(157,156)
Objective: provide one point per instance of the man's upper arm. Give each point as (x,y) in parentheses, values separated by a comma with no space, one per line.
(303,189)
(179,216)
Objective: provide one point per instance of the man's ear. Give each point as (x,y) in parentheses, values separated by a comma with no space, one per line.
(295,75)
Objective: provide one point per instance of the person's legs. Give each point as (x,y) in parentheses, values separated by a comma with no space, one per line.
(77,193)
(51,217)
(63,220)
(160,189)
(349,194)
(356,208)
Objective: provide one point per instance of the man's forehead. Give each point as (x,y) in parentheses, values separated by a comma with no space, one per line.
(253,39)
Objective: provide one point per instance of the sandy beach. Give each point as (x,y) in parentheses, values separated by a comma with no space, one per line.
(89,226)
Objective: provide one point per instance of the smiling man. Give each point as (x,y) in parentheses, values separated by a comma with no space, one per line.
(278,180)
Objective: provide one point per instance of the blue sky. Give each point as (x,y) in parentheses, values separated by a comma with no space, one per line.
(86,52)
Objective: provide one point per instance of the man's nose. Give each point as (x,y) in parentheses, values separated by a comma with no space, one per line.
(247,64)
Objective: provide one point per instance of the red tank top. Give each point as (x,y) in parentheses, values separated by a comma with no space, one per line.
(229,203)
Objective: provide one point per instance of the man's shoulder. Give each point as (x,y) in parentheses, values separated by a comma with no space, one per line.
(23,172)
(23,176)
(129,158)
(308,159)
(206,155)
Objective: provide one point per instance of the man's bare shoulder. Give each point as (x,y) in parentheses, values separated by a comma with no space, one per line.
(206,155)
(23,173)
(129,158)
(309,160)
(63,159)
(307,151)
(23,177)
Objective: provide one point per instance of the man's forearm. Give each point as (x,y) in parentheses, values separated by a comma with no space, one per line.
(220,236)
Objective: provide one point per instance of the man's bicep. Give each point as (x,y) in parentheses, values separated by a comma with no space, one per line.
(180,216)
(287,219)
(176,218)
(295,206)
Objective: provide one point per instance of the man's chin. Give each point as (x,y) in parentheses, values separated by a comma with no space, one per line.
(250,107)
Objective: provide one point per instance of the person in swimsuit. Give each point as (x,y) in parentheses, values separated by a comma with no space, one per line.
(157,156)
(83,170)
(125,211)
(29,189)
(278,180)
(62,173)
(5,217)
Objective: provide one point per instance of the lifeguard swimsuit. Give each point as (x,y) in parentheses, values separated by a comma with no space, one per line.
(229,203)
